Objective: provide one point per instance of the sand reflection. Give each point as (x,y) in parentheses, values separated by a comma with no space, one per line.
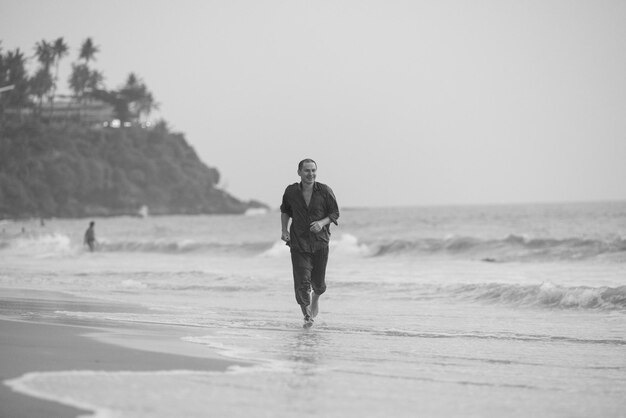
(307,354)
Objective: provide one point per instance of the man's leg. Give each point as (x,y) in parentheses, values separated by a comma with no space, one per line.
(315,307)
(302,266)
(318,278)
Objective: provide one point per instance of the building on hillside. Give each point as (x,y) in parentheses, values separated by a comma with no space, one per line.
(94,112)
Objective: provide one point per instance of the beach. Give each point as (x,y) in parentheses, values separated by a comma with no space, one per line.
(508,311)
(30,346)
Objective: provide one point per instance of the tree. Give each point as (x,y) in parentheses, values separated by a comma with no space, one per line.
(161,127)
(15,75)
(3,79)
(3,69)
(79,80)
(146,105)
(88,51)
(94,81)
(59,50)
(120,106)
(42,82)
(83,81)
(44,53)
(138,99)
(130,101)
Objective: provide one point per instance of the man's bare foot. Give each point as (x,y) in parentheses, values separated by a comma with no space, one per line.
(315,308)
(308,322)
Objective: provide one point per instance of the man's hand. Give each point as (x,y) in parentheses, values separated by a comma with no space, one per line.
(317,226)
(285,236)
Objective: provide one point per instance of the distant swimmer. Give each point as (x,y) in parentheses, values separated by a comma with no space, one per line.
(90,236)
(311,206)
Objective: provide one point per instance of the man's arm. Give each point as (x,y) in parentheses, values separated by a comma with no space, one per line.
(284,220)
(317,226)
(285,213)
(331,206)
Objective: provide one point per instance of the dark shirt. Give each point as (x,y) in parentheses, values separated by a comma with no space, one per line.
(90,235)
(323,204)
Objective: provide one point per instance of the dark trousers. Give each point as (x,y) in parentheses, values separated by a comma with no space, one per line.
(309,271)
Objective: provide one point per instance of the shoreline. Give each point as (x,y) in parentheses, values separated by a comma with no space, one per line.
(40,345)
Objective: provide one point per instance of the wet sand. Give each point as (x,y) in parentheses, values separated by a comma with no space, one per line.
(36,346)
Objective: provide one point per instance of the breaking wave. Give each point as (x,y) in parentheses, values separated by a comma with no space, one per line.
(510,248)
(513,247)
(40,246)
(545,295)
(179,246)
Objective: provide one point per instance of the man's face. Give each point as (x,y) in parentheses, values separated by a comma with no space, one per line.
(307,173)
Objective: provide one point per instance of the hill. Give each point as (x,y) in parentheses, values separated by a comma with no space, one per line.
(69,170)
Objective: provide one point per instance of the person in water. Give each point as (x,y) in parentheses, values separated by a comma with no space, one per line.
(311,206)
(90,236)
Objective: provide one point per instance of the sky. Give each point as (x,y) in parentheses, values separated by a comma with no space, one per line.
(400,102)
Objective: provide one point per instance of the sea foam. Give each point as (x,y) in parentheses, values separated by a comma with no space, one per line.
(43,245)
(546,295)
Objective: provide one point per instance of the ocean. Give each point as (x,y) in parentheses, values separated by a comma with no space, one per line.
(467,311)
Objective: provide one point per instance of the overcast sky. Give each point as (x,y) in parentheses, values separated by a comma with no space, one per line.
(400,102)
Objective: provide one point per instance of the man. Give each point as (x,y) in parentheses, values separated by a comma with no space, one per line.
(311,206)
(90,236)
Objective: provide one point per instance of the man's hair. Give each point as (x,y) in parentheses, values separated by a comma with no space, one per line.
(306,160)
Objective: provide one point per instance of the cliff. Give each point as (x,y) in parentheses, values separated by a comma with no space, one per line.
(75,171)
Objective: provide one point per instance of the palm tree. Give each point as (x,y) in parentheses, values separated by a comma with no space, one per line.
(79,80)
(95,79)
(15,75)
(146,105)
(131,94)
(94,82)
(3,81)
(3,68)
(59,50)
(88,50)
(139,98)
(132,81)
(83,80)
(40,84)
(44,54)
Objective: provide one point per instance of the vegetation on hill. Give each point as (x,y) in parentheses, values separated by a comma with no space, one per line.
(64,164)
(36,94)
(74,171)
